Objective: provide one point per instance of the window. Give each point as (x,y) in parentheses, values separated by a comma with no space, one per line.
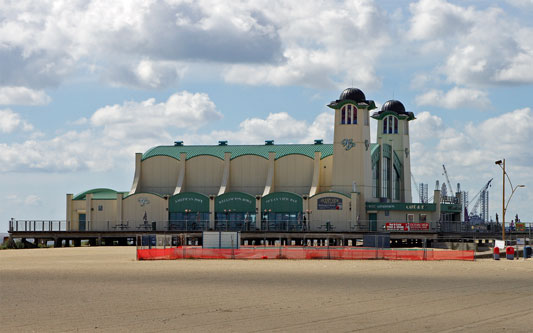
(100,208)
(396,185)
(375,180)
(390,125)
(423,218)
(349,115)
(386,172)
(410,218)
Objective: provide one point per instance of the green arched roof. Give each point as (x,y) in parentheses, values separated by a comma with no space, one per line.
(240,150)
(98,194)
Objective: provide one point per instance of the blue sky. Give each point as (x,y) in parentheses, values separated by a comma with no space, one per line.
(84,85)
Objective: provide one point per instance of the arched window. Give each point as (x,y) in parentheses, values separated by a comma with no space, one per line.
(390,125)
(349,114)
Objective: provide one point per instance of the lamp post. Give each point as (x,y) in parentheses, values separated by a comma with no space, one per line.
(501,164)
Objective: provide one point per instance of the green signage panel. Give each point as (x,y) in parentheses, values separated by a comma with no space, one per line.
(401,206)
(237,202)
(282,202)
(195,202)
(455,208)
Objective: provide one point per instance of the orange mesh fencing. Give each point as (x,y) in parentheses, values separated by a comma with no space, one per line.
(336,253)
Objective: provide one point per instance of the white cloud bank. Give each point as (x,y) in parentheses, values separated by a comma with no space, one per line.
(11,121)
(481,46)
(23,96)
(455,98)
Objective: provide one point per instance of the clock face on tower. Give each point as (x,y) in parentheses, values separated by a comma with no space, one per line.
(348,144)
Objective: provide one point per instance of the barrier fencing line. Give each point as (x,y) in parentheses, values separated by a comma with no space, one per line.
(300,253)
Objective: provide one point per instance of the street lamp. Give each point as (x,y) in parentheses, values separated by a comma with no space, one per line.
(501,164)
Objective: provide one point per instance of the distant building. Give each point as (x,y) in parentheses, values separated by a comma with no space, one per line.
(350,185)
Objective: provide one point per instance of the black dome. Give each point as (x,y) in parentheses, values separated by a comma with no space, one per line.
(393,105)
(353,94)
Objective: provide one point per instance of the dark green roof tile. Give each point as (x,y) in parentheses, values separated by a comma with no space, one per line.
(240,150)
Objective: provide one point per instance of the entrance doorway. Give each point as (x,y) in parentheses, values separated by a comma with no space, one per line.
(81,218)
(373,225)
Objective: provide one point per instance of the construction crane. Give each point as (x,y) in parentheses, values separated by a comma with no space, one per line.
(447,179)
(481,195)
(417,189)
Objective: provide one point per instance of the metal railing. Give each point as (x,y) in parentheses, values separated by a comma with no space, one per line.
(266,226)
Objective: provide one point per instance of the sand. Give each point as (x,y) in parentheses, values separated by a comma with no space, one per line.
(105,289)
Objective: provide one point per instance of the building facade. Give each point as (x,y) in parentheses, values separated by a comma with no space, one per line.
(349,185)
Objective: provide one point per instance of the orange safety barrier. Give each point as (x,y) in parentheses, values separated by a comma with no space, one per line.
(338,253)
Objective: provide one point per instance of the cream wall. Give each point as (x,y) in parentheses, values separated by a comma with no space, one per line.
(203,174)
(78,206)
(134,207)
(340,219)
(107,217)
(248,174)
(326,170)
(293,173)
(159,174)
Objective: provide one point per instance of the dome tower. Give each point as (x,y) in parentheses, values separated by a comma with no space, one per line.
(392,174)
(351,172)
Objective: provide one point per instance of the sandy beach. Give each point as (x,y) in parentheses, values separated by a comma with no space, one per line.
(106,289)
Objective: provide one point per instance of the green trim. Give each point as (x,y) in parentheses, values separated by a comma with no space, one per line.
(282,202)
(402,116)
(339,104)
(454,208)
(194,201)
(249,154)
(397,163)
(387,150)
(331,192)
(99,194)
(375,154)
(240,150)
(401,206)
(238,202)
(156,194)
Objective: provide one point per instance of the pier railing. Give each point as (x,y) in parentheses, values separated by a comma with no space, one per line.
(266,226)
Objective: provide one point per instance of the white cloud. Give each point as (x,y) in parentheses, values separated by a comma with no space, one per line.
(148,118)
(11,121)
(469,152)
(281,127)
(114,133)
(148,44)
(23,96)
(339,44)
(478,46)
(455,98)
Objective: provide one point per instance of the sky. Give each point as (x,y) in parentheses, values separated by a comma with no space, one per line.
(84,85)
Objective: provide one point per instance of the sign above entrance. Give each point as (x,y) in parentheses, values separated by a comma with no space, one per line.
(329,203)
(282,202)
(192,201)
(237,202)
(400,206)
